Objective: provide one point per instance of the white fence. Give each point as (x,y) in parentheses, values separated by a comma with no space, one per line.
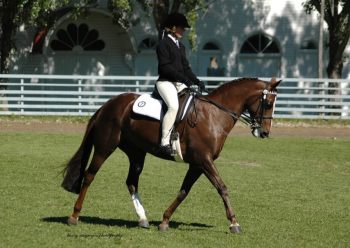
(83,95)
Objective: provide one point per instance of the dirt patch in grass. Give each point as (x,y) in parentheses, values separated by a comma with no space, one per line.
(283,128)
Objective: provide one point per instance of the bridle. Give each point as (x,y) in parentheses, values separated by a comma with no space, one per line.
(255,119)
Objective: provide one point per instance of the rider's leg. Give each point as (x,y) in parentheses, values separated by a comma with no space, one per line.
(168,92)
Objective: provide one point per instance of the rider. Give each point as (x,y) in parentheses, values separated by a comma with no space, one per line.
(175,73)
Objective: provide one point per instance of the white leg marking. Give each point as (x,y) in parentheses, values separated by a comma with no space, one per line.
(236,224)
(138,206)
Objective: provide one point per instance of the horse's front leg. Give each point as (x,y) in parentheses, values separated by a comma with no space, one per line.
(212,174)
(191,177)
(132,182)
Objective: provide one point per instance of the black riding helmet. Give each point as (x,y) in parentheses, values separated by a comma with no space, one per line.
(177,20)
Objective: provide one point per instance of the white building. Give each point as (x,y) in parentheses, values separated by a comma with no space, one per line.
(248,38)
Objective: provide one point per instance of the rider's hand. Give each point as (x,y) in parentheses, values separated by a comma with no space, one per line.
(201,86)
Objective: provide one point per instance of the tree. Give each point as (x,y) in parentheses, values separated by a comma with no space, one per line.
(337,17)
(15,13)
(43,13)
(160,9)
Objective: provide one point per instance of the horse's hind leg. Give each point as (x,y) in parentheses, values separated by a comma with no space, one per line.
(95,165)
(137,159)
(191,177)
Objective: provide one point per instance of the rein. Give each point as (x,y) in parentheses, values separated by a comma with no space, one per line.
(243,118)
(219,106)
(254,121)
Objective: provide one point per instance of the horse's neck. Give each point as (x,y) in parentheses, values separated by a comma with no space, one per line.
(232,98)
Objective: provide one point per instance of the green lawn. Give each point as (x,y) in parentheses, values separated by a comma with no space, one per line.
(286,192)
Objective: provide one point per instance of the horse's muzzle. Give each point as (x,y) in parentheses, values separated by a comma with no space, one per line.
(258,133)
(264,135)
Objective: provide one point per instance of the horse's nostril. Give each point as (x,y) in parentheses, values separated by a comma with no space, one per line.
(264,134)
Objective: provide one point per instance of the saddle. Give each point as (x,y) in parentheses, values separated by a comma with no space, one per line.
(152,106)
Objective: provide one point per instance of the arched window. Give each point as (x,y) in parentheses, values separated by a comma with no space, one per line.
(146,61)
(260,43)
(210,46)
(77,37)
(210,62)
(259,57)
(148,44)
(308,44)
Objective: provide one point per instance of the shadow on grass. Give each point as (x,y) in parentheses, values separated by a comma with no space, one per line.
(121,223)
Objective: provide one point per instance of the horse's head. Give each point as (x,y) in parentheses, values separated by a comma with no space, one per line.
(262,108)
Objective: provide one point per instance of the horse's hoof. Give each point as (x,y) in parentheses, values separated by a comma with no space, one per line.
(235,228)
(163,227)
(144,224)
(72,221)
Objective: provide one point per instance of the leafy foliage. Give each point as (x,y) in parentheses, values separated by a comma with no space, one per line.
(337,17)
(123,9)
(15,13)
(43,13)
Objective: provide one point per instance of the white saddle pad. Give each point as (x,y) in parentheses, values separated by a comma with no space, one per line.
(148,106)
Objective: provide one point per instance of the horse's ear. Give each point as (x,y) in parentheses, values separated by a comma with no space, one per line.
(274,83)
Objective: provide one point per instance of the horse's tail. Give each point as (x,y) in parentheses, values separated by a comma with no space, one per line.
(74,171)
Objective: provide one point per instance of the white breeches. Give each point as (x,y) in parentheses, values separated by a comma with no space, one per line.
(168,91)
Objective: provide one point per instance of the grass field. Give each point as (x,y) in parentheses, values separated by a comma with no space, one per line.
(287,192)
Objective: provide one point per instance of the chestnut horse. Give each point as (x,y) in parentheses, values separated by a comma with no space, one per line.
(202,136)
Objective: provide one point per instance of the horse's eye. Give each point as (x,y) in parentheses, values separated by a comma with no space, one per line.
(268,105)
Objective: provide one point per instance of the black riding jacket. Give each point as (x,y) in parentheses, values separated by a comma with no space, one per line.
(172,63)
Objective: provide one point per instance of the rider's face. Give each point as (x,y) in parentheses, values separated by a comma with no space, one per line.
(179,32)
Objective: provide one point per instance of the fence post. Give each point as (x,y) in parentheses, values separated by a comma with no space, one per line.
(79,96)
(138,86)
(22,95)
(322,94)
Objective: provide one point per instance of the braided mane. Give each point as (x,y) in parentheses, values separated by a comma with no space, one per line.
(227,84)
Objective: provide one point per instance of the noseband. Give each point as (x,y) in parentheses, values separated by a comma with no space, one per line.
(256,119)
